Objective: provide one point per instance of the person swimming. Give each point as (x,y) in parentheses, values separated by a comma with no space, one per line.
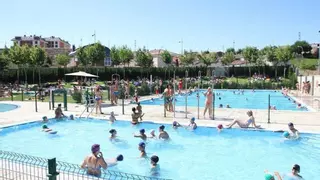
(142,149)
(142,135)
(114,161)
(220,127)
(44,119)
(162,133)
(155,167)
(192,124)
(245,124)
(113,133)
(45,128)
(175,125)
(71,117)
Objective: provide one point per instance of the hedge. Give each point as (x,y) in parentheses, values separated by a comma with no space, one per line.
(105,73)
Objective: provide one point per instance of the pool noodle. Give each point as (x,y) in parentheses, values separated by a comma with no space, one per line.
(53,132)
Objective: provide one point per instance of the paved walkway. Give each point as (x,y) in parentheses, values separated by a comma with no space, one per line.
(304,121)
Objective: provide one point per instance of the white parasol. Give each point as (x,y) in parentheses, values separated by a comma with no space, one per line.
(81,74)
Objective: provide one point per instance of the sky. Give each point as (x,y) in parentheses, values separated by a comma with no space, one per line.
(201,24)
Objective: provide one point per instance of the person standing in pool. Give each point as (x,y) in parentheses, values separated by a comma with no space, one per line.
(142,149)
(135,116)
(294,133)
(155,167)
(142,135)
(162,133)
(94,162)
(208,102)
(245,124)
(113,133)
(98,97)
(294,175)
(192,124)
(58,112)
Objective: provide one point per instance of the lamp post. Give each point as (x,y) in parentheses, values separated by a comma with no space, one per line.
(213,95)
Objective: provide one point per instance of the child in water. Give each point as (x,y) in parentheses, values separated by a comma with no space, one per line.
(155,167)
(112,118)
(142,149)
(113,133)
(142,135)
(44,119)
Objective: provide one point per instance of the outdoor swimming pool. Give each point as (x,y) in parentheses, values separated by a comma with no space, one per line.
(202,154)
(247,100)
(7,107)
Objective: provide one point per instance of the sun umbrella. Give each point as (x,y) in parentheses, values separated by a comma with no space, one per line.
(81,74)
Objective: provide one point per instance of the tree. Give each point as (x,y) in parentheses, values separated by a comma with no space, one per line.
(96,53)
(37,59)
(239,51)
(125,55)
(115,59)
(269,53)
(144,58)
(82,57)
(301,46)
(207,58)
(231,50)
(250,54)
(63,59)
(166,57)
(228,58)
(284,54)
(188,58)
(4,59)
(20,56)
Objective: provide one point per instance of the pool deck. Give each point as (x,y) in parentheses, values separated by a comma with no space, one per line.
(304,121)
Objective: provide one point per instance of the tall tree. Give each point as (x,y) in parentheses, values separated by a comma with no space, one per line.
(82,57)
(20,56)
(239,51)
(37,59)
(231,50)
(98,54)
(63,59)
(300,46)
(144,58)
(207,59)
(250,54)
(284,54)
(188,58)
(166,57)
(114,53)
(269,53)
(125,55)
(228,58)
(4,59)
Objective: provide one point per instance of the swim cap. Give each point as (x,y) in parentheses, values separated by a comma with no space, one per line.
(154,159)
(142,144)
(220,126)
(161,127)
(174,123)
(290,124)
(44,117)
(286,134)
(142,131)
(193,119)
(95,148)
(268,177)
(44,127)
(120,157)
(112,131)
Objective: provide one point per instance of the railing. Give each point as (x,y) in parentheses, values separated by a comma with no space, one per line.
(16,166)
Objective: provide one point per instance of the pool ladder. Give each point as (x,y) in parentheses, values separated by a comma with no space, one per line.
(87,106)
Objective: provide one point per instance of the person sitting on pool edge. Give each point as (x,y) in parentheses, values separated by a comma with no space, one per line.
(162,133)
(142,135)
(155,167)
(135,116)
(142,149)
(192,124)
(175,125)
(245,124)
(58,112)
(94,162)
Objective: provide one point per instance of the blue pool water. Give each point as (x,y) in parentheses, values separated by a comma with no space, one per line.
(247,100)
(7,107)
(202,154)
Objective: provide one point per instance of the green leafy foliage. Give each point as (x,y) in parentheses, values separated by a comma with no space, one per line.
(166,57)
(144,58)
(125,55)
(115,58)
(228,58)
(63,59)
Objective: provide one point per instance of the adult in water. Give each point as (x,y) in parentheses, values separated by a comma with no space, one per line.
(294,133)
(94,162)
(192,124)
(162,133)
(208,102)
(58,112)
(245,124)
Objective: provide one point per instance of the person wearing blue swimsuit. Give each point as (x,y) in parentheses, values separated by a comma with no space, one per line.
(98,97)
(245,124)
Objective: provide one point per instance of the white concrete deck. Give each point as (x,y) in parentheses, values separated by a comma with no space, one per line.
(304,121)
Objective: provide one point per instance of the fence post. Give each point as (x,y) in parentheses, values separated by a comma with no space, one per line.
(198,97)
(22,95)
(52,169)
(35,100)
(269,109)
(65,100)
(52,100)
(164,107)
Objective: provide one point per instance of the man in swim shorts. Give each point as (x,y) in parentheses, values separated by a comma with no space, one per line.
(58,112)
(162,133)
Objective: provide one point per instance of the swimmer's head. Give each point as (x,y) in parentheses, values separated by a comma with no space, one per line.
(112,113)
(44,118)
(286,134)
(268,177)
(175,123)
(142,146)
(296,169)
(44,127)
(192,119)
(95,148)
(219,98)
(249,113)
(291,126)
(161,128)
(120,157)
(142,131)
(154,159)
(113,131)
(71,117)
(220,126)
(220,105)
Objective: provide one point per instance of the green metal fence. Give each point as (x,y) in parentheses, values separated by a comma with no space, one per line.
(15,166)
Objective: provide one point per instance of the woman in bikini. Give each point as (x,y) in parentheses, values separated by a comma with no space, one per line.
(94,162)
(98,97)
(135,116)
(245,124)
(208,102)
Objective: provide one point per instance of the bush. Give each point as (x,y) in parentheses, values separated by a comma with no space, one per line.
(77,97)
